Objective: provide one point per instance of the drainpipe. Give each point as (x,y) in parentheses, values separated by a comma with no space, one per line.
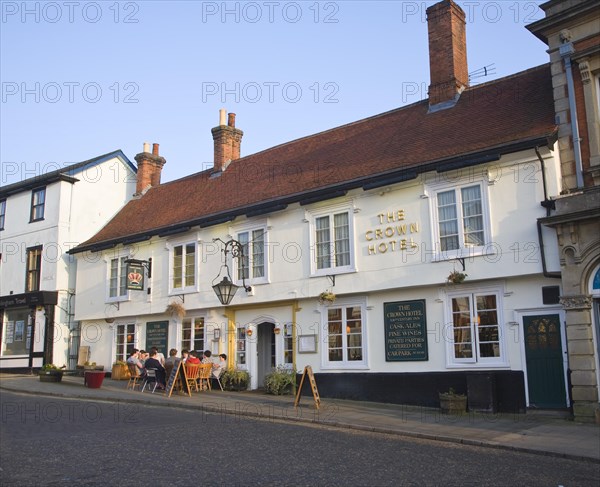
(549,205)
(565,51)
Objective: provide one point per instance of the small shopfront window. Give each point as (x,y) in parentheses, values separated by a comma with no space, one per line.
(16,332)
(473,331)
(240,354)
(192,334)
(288,344)
(345,332)
(125,341)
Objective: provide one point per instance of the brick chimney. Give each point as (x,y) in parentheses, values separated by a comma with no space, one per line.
(227,140)
(447,53)
(149,168)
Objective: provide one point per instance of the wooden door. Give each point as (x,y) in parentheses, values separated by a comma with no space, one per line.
(544,359)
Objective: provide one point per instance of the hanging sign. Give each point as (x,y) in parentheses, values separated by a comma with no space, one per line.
(135,276)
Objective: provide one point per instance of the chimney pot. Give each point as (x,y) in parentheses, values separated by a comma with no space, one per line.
(222,113)
(231,120)
(146,147)
(154,149)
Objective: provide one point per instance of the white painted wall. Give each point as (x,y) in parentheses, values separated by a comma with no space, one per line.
(513,263)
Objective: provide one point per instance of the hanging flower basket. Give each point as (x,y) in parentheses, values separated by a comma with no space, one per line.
(326,298)
(456,277)
(175,309)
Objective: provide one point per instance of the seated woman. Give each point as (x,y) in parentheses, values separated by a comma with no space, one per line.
(161,374)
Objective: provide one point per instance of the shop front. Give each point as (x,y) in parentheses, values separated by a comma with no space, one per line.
(27,333)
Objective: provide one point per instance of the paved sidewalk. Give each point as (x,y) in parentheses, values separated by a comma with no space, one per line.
(533,432)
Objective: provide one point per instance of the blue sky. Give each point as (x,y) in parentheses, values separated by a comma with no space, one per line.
(80,79)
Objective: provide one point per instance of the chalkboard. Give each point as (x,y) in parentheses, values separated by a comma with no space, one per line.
(405,325)
(156,335)
(178,371)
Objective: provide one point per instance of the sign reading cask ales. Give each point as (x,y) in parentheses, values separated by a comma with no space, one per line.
(405,327)
(156,335)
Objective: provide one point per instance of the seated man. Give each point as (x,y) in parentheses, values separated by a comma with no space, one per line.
(134,359)
(220,367)
(161,373)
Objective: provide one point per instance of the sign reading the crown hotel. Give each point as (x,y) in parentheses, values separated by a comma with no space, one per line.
(393,234)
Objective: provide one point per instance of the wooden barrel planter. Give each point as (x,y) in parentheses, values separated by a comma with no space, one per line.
(119,372)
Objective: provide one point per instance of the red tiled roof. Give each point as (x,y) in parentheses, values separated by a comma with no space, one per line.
(500,113)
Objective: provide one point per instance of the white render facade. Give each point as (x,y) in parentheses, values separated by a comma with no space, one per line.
(382,253)
(43,218)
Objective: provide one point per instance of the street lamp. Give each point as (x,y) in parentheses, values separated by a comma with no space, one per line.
(226,289)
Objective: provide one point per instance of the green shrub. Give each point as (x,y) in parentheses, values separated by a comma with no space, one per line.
(282,380)
(235,380)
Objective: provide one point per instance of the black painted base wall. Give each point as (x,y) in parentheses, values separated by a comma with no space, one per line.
(419,389)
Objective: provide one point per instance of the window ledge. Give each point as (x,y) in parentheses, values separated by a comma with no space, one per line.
(479,365)
(344,367)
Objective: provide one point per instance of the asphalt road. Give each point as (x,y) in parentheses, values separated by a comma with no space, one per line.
(55,441)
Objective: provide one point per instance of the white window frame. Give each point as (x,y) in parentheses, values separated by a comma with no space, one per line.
(432,191)
(242,336)
(345,364)
(171,246)
(250,229)
(125,343)
(475,362)
(122,271)
(331,211)
(192,319)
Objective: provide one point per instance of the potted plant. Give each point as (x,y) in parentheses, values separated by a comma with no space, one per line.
(175,309)
(281,381)
(453,403)
(92,366)
(326,298)
(235,380)
(51,373)
(456,277)
(120,371)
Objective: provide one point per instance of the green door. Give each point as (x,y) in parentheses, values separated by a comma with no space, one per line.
(544,358)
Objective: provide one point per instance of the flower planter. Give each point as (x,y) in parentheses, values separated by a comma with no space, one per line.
(453,403)
(51,375)
(119,372)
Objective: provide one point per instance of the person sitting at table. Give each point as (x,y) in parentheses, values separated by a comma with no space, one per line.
(154,363)
(192,359)
(206,357)
(159,356)
(144,356)
(220,367)
(184,355)
(172,357)
(134,359)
